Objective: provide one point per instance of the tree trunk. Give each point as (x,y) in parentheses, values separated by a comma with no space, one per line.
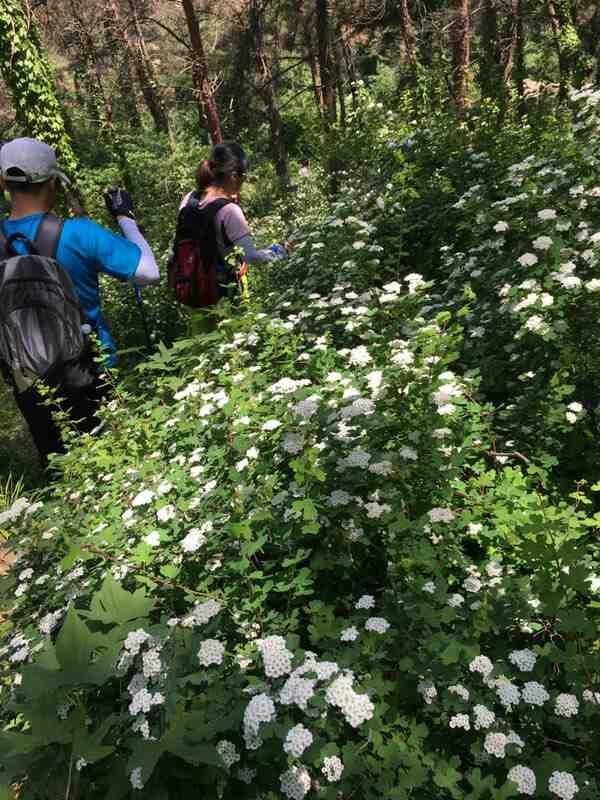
(325,59)
(490,70)
(510,38)
(29,79)
(351,70)
(590,32)
(241,68)
(146,76)
(572,62)
(121,49)
(519,53)
(267,90)
(461,54)
(314,67)
(339,78)
(207,107)
(408,34)
(92,71)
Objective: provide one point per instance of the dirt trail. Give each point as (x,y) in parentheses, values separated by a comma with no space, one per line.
(6,559)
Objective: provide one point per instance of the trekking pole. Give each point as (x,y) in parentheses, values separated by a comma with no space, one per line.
(140,305)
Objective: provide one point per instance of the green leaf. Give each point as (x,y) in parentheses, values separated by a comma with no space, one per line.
(446,777)
(17,744)
(89,746)
(114,605)
(451,654)
(74,644)
(145,755)
(170,571)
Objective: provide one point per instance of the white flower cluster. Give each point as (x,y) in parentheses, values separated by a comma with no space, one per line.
(484,718)
(143,701)
(193,540)
(136,778)
(508,694)
(292,443)
(229,755)
(460,691)
(297,691)
(298,739)
(332,768)
(287,386)
(166,513)
(441,515)
(366,601)
(460,721)
(524,779)
(49,622)
(495,744)
(563,784)
(356,708)
(135,640)
(211,652)
(448,392)
(481,664)
(14,511)
(534,694)
(202,613)
(566,705)
(259,710)
(357,458)
(246,775)
(359,356)
(152,665)
(472,584)
(575,410)
(143,498)
(377,624)
(349,634)
(591,697)
(295,783)
(427,690)
(523,659)
(277,659)
(359,407)
(308,407)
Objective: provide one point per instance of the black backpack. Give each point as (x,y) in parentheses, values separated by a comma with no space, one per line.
(42,333)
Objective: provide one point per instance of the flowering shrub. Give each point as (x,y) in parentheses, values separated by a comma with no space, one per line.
(301,565)
(516,234)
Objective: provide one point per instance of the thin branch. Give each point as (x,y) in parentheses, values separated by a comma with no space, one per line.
(90,548)
(294,96)
(165,28)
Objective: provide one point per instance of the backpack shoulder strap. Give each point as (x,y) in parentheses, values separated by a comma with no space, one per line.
(3,247)
(48,235)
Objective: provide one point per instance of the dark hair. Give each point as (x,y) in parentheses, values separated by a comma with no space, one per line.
(18,187)
(225,160)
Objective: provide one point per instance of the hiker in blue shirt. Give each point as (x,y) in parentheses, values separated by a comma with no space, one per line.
(29,173)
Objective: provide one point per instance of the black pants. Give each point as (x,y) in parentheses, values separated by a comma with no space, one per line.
(81,407)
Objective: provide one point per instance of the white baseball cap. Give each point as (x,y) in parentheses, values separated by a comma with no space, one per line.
(29,161)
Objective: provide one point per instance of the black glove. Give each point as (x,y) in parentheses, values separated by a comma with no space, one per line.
(119,203)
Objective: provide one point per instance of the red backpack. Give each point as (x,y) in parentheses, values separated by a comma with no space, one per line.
(193,268)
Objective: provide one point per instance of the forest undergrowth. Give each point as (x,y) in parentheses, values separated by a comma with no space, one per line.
(346,545)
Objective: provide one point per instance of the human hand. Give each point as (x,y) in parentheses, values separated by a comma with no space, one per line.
(119,203)
(279,250)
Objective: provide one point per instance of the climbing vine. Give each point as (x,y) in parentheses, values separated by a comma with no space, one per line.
(29,78)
